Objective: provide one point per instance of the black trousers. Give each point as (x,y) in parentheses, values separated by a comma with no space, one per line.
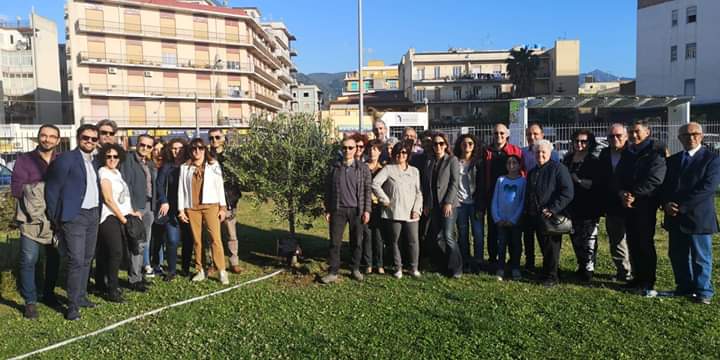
(551,256)
(640,231)
(187,247)
(530,233)
(492,241)
(338,219)
(78,246)
(109,253)
(373,240)
(156,244)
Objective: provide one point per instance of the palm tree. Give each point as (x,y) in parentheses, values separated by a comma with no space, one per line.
(522,66)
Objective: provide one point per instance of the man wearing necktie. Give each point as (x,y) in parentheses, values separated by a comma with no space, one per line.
(688,197)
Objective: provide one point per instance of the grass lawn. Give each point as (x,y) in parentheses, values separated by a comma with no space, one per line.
(291,316)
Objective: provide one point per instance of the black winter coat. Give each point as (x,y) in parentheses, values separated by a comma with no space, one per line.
(586,203)
(548,186)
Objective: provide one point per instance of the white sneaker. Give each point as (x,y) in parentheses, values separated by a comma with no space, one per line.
(149,272)
(398,274)
(415,274)
(224,279)
(499,275)
(649,293)
(199,276)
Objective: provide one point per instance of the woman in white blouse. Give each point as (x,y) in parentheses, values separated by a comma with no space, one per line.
(115,210)
(201,200)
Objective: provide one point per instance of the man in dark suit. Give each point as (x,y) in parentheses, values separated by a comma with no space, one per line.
(72,194)
(688,197)
(440,181)
(642,173)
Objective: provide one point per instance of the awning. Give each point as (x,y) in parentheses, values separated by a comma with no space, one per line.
(615,102)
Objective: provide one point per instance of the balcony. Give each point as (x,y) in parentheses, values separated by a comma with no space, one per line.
(269,101)
(163,33)
(285,76)
(261,49)
(234,122)
(475,77)
(283,55)
(293,52)
(156,62)
(468,98)
(232,93)
(284,94)
(267,77)
(153,121)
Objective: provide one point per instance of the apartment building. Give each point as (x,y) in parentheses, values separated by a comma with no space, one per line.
(30,74)
(678,49)
(377,76)
(172,63)
(462,85)
(306,99)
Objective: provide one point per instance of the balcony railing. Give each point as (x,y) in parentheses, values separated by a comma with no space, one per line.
(230,93)
(262,49)
(161,62)
(87,25)
(468,98)
(269,100)
(285,76)
(285,94)
(466,77)
(268,77)
(153,121)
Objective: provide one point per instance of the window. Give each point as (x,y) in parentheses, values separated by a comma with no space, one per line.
(437,113)
(306,94)
(420,95)
(477,90)
(169,54)
(690,51)
(457,93)
(437,72)
(674,20)
(367,85)
(456,111)
(353,86)
(438,93)
(690,87)
(673,53)
(457,71)
(420,74)
(12,39)
(692,14)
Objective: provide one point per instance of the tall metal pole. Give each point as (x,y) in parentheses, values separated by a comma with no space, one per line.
(197,124)
(361,81)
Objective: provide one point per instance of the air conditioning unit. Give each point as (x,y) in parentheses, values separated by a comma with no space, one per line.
(112,70)
(148,74)
(85,89)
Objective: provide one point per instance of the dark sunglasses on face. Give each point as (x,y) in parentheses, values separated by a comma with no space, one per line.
(89,138)
(439,143)
(177,148)
(617,136)
(147,146)
(361,146)
(107,133)
(403,152)
(200,148)
(348,148)
(112,157)
(217,137)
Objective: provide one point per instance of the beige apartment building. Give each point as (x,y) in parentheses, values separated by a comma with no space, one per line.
(170,63)
(377,76)
(462,85)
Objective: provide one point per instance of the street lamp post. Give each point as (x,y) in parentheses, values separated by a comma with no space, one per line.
(197,124)
(361,82)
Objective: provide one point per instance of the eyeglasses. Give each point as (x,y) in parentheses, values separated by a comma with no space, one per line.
(217,137)
(54,137)
(112,157)
(468,143)
(198,148)
(499,133)
(89,138)
(617,136)
(580,141)
(107,133)
(361,146)
(691,134)
(147,146)
(348,148)
(439,143)
(403,152)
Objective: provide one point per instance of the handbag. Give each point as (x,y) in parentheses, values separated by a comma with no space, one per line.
(555,225)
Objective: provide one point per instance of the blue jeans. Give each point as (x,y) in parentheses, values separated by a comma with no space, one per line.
(29,256)
(691,259)
(173,234)
(465,215)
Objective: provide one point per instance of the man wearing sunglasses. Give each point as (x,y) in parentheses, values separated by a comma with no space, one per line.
(232,196)
(140,173)
(347,201)
(106,131)
(72,197)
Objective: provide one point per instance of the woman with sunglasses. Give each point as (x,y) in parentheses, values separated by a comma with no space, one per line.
(201,200)
(397,187)
(167,189)
(440,183)
(471,196)
(115,209)
(584,168)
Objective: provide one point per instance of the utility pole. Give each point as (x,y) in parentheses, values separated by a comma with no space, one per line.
(361,81)
(197,124)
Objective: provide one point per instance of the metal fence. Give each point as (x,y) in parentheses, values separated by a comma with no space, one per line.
(561,134)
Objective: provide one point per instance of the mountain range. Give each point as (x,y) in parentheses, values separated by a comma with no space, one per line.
(331,84)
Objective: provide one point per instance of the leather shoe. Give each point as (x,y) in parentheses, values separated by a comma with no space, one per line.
(51,301)
(30,312)
(169,277)
(86,303)
(702,300)
(72,314)
(235,269)
(115,296)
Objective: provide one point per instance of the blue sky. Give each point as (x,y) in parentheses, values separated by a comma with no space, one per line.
(327,37)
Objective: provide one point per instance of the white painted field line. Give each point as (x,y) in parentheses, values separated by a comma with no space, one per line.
(138,317)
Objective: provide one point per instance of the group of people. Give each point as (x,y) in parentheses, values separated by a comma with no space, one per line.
(105,203)
(391,192)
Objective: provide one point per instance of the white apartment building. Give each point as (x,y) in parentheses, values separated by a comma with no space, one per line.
(678,49)
(30,71)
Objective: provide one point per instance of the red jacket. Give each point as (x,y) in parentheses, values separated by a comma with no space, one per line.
(495,166)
